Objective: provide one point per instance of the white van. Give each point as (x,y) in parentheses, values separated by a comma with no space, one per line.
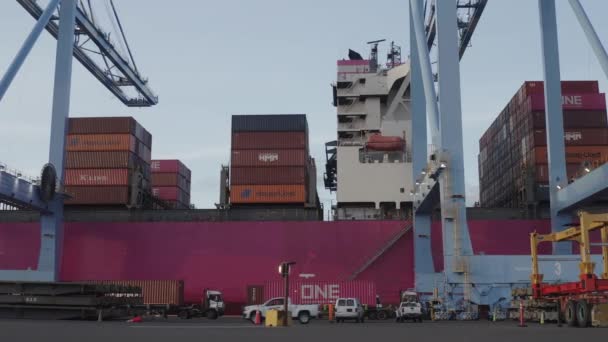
(349,308)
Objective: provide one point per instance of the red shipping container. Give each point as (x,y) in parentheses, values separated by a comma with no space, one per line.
(268,175)
(269,140)
(97,195)
(322,292)
(589,102)
(568,87)
(575,154)
(165,292)
(574,119)
(263,194)
(170,179)
(171,166)
(171,193)
(99,177)
(269,158)
(572,137)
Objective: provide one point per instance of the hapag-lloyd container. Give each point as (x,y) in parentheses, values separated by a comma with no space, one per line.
(171,166)
(98,177)
(274,157)
(101,142)
(322,292)
(575,154)
(575,136)
(268,175)
(589,102)
(110,125)
(269,140)
(164,292)
(241,194)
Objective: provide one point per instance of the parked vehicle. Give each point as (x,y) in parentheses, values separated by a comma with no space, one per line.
(166,297)
(410,307)
(211,306)
(349,309)
(303,313)
(380,312)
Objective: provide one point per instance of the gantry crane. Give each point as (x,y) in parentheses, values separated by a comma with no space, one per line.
(79,36)
(577,298)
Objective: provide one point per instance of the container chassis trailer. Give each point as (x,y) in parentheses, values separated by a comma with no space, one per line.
(576,300)
(66,300)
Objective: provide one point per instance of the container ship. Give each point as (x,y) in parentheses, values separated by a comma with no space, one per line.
(268,209)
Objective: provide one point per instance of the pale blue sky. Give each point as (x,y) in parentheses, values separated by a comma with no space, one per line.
(210,59)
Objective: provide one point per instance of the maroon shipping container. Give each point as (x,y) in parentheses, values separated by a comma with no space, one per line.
(575,119)
(572,137)
(268,175)
(589,102)
(269,158)
(171,193)
(171,179)
(109,125)
(323,292)
(97,195)
(269,140)
(165,292)
(568,87)
(103,160)
(171,166)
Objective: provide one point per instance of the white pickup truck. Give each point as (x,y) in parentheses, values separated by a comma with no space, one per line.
(410,307)
(303,313)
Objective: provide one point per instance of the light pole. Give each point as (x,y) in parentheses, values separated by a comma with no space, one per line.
(284,269)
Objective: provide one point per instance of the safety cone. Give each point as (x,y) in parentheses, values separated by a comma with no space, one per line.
(522,321)
(258,318)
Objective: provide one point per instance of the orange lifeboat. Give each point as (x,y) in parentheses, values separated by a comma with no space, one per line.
(378,142)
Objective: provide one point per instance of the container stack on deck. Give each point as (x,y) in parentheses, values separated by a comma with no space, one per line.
(107,162)
(513,164)
(171,183)
(270,162)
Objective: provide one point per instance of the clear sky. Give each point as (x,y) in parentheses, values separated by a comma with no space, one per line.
(208,60)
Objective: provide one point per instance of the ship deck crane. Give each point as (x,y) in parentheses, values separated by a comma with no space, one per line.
(77,35)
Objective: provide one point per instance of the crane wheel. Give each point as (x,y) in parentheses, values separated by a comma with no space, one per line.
(570,314)
(583,313)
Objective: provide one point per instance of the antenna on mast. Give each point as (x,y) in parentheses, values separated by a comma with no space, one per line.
(373,59)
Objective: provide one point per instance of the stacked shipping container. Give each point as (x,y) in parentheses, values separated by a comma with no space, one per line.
(513,170)
(270,162)
(171,183)
(107,162)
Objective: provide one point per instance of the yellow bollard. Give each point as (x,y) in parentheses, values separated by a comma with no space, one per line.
(542,317)
(494,316)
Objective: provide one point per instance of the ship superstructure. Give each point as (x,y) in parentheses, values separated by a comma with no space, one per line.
(369,165)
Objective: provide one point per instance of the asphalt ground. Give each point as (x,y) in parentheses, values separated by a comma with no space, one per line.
(235,329)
